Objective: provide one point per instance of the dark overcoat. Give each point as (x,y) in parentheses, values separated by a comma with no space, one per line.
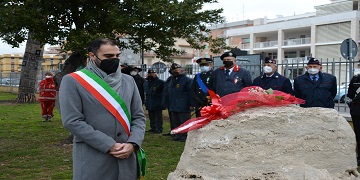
(237,80)
(275,82)
(316,94)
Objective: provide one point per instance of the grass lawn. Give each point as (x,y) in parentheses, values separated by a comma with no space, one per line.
(32,149)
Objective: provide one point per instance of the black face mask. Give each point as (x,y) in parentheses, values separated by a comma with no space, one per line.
(109,65)
(228,64)
(176,74)
(150,78)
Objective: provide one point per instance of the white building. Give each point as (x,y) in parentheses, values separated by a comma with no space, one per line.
(317,34)
(290,39)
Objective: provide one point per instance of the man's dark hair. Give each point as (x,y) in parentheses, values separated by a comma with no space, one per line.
(95,45)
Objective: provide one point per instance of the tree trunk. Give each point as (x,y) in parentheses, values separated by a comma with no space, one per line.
(30,70)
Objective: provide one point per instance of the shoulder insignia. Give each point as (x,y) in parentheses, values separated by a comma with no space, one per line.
(236,68)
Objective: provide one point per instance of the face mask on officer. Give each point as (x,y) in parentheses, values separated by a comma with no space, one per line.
(228,64)
(133,73)
(267,69)
(48,76)
(205,68)
(108,65)
(313,71)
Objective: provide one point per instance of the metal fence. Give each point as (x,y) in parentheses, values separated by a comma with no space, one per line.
(291,68)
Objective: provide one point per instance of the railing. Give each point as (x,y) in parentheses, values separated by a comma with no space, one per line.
(293,42)
(289,67)
(266,44)
(245,46)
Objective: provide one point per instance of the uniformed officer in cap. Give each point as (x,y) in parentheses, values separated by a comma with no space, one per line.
(154,95)
(272,79)
(318,89)
(201,83)
(230,78)
(179,94)
(140,81)
(354,105)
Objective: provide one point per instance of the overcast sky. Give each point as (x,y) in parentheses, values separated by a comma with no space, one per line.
(238,10)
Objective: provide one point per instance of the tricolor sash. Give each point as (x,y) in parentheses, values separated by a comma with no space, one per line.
(201,83)
(105,95)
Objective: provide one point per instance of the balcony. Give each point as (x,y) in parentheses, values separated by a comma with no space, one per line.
(266,44)
(245,46)
(297,60)
(294,42)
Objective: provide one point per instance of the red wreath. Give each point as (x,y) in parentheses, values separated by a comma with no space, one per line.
(230,104)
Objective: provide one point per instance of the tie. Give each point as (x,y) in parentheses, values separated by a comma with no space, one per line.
(314,79)
(227,72)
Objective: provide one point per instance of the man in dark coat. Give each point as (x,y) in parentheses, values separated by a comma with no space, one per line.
(180,99)
(140,81)
(230,78)
(272,79)
(154,95)
(166,100)
(201,83)
(318,89)
(354,104)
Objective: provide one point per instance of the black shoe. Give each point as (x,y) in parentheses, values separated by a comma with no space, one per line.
(167,134)
(176,138)
(183,139)
(157,132)
(151,130)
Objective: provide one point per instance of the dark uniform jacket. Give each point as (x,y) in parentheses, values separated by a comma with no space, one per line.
(199,97)
(140,85)
(353,87)
(165,103)
(154,94)
(275,82)
(316,94)
(237,80)
(180,93)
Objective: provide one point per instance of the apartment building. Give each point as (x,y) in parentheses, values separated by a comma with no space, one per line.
(11,63)
(317,34)
(291,39)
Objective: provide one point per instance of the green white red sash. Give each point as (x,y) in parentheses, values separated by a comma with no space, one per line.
(105,95)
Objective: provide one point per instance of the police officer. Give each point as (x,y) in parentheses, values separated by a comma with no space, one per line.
(318,89)
(154,94)
(272,79)
(201,83)
(230,78)
(140,81)
(354,104)
(179,94)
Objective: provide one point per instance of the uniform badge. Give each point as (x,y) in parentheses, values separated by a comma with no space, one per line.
(177,85)
(237,79)
(154,88)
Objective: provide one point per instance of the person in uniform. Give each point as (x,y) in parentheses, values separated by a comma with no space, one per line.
(140,81)
(272,79)
(166,101)
(154,95)
(230,78)
(201,83)
(354,104)
(318,89)
(47,97)
(179,93)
